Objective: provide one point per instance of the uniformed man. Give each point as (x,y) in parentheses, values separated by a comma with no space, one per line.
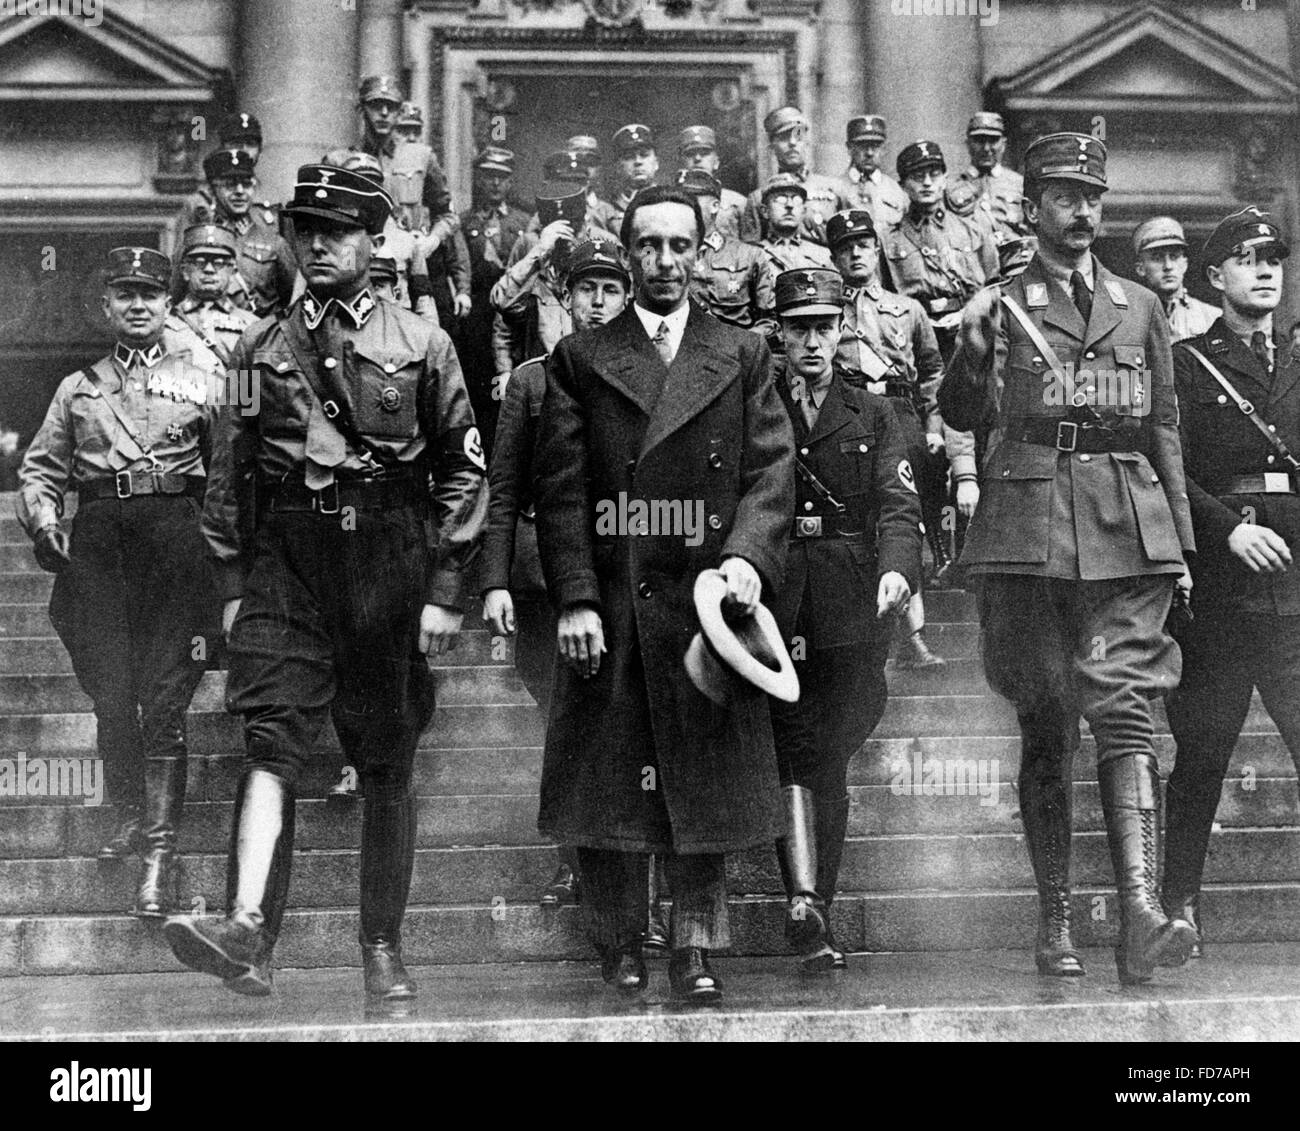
(410,122)
(1245,496)
(206,309)
(383,278)
(1000,190)
(1161,250)
(569,167)
(732,280)
(787,138)
(412,174)
(854,560)
(237,131)
(697,148)
(264,264)
(596,290)
(784,209)
(133,435)
(364,452)
(586,150)
(638,168)
(866,184)
(530,312)
(1079,540)
(887,346)
(935,257)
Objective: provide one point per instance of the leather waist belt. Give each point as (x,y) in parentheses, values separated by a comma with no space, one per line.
(943,305)
(1069,436)
(129,484)
(1269,483)
(815,526)
(366,494)
(900,390)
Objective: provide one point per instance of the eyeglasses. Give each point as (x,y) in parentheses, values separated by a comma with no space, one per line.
(209,262)
(236,182)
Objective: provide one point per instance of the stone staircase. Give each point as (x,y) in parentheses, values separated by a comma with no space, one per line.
(935,860)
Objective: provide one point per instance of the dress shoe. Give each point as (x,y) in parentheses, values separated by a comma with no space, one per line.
(624,968)
(1189,910)
(915,655)
(229,948)
(385,977)
(127,840)
(563,888)
(691,978)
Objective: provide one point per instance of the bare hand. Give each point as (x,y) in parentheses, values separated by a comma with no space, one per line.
(1184,584)
(743,585)
(893,594)
(581,638)
(968,497)
(439,629)
(229,611)
(1263,550)
(462,305)
(949,321)
(552,234)
(499,611)
(934,442)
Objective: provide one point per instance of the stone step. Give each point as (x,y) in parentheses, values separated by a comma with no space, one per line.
(452,727)
(517,874)
(24,620)
(26,587)
(505,932)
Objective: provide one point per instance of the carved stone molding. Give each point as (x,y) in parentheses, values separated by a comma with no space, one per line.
(178,172)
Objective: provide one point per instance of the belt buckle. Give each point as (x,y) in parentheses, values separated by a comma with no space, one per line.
(1061,434)
(118,480)
(318,499)
(809,526)
(1277,482)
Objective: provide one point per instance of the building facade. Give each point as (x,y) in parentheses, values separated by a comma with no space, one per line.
(107,117)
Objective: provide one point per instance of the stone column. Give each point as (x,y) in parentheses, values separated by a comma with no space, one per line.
(843,89)
(924,74)
(381,37)
(298,74)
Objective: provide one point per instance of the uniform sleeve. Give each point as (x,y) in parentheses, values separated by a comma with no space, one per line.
(435,196)
(458,265)
(960,447)
(966,394)
(564,527)
(751,221)
(522,267)
(509,468)
(458,490)
(898,529)
(46,470)
(760,528)
(763,296)
(230,501)
(929,365)
(1167,449)
(1213,520)
(506,329)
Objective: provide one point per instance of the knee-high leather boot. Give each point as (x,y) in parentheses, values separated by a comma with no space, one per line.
(1046,783)
(237,948)
(1130,798)
(164,789)
(387,859)
(832,821)
(805,921)
(1189,820)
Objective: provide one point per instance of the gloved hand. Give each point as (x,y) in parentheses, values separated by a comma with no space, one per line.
(51,546)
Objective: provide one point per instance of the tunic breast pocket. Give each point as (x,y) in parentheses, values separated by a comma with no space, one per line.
(256,257)
(282,393)
(855,468)
(386,393)
(726,289)
(1029,386)
(905,263)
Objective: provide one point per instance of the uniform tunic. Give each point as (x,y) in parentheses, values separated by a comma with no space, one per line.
(734,282)
(1001,194)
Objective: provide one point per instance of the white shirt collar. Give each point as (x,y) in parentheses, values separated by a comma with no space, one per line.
(676,323)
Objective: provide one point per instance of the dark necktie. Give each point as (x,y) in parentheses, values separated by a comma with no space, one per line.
(1081,295)
(1259,347)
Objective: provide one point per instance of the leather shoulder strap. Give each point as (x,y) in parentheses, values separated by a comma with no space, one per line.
(95,377)
(1247,408)
(1041,344)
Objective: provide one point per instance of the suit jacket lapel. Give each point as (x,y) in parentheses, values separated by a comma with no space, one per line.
(1105,314)
(699,372)
(1060,311)
(628,361)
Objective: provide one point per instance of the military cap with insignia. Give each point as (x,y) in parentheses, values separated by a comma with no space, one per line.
(562,202)
(496,158)
(367,164)
(865,127)
(808,291)
(1159,231)
(1066,156)
(920,155)
(564,167)
(240,127)
(594,256)
(634,136)
(139,265)
(229,163)
(782,119)
(381,88)
(984,123)
(699,182)
(784,182)
(209,237)
(1248,230)
(586,147)
(383,269)
(848,225)
(696,137)
(341,195)
(410,115)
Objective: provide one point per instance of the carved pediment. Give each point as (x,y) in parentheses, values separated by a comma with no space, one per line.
(1151,57)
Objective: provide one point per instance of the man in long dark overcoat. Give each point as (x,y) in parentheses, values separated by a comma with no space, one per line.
(669,410)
